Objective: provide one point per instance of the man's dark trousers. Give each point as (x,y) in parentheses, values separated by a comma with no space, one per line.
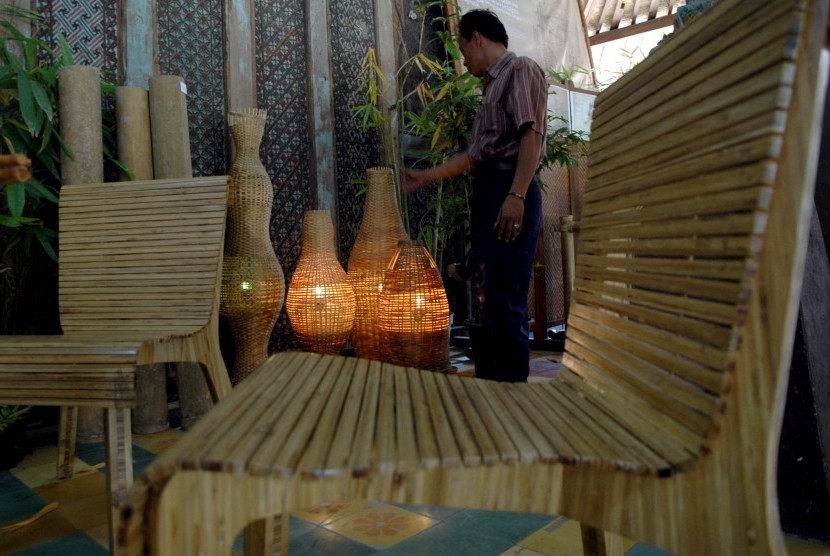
(503,269)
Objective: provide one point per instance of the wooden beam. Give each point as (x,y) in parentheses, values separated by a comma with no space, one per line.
(137,42)
(240,55)
(321,109)
(636,29)
(388,37)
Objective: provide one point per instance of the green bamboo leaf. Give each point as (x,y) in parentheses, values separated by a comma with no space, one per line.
(42,98)
(9,221)
(16,198)
(453,50)
(46,136)
(49,162)
(66,52)
(26,99)
(121,167)
(12,31)
(39,191)
(44,236)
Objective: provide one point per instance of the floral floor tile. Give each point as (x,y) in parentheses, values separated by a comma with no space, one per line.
(330,511)
(381,525)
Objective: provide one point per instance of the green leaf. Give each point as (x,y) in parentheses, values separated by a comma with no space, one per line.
(42,98)
(9,221)
(45,136)
(40,191)
(16,198)
(453,50)
(44,237)
(66,52)
(27,101)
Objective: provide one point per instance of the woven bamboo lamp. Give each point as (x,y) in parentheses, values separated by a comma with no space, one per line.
(253,285)
(376,243)
(320,302)
(413,312)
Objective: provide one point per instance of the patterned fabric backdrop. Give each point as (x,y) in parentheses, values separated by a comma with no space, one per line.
(90,29)
(190,45)
(89,26)
(282,90)
(352,33)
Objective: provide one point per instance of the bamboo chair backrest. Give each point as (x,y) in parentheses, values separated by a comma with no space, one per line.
(682,167)
(141,256)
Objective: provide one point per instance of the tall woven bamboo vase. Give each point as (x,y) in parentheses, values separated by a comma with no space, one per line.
(413,311)
(376,243)
(321,302)
(253,284)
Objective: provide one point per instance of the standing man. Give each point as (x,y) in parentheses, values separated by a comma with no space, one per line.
(508,140)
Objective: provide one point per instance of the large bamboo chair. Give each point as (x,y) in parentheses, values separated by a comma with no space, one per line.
(139,276)
(664,426)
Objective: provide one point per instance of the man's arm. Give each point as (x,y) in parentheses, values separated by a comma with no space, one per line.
(513,207)
(416,179)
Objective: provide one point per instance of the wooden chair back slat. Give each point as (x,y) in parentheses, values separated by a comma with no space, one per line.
(125,252)
(681,173)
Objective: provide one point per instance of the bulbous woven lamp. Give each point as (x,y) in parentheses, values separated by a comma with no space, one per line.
(320,302)
(413,312)
(376,242)
(253,285)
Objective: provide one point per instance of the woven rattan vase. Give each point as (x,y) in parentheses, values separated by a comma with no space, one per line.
(320,302)
(413,312)
(377,240)
(253,284)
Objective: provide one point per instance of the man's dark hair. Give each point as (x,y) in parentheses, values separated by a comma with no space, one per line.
(486,23)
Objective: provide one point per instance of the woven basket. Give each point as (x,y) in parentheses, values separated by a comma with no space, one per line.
(253,284)
(320,302)
(376,243)
(413,311)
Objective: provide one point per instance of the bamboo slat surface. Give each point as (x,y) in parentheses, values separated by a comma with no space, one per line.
(664,421)
(127,297)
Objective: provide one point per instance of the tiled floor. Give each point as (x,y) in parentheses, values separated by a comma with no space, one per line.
(344,528)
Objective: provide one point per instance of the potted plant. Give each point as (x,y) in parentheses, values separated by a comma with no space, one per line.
(28,210)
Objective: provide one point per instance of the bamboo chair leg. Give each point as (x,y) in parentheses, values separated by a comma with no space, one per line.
(67,433)
(596,542)
(119,463)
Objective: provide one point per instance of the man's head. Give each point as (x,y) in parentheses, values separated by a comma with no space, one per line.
(482,39)
(484,22)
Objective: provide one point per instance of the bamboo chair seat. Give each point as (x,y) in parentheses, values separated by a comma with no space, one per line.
(664,425)
(139,275)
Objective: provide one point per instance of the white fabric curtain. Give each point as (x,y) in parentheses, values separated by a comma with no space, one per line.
(548,31)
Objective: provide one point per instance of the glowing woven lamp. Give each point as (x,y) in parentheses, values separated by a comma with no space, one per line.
(376,242)
(414,314)
(320,302)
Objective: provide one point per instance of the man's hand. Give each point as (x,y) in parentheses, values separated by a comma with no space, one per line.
(413,180)
(509,222)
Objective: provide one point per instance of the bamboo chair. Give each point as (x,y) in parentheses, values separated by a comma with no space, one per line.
(139,275)
(664,425)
